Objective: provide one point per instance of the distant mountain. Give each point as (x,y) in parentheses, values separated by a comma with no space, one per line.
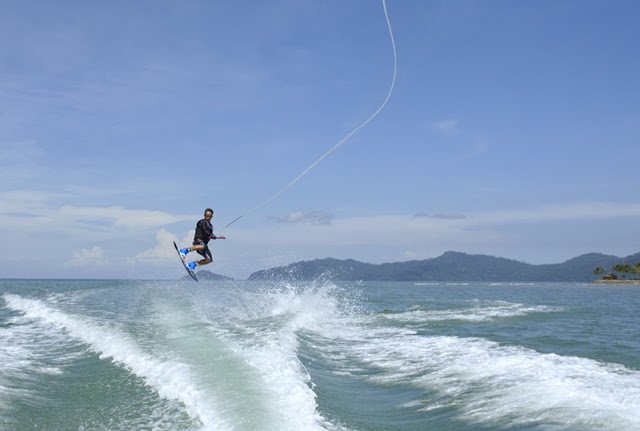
(205,275)
(451,266)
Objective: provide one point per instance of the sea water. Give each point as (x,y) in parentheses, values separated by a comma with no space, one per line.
(165,355)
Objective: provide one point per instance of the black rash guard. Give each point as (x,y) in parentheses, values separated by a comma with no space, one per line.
(204,232)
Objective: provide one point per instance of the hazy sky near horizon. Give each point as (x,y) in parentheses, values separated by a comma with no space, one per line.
(514,130)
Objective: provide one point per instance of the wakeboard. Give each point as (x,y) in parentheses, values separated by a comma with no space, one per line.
(191,273)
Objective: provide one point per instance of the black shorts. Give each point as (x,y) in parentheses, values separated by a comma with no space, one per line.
(206,253)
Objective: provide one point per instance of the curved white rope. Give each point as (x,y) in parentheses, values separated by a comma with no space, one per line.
(347,136)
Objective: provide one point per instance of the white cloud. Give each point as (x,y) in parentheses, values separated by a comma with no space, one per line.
(122,217)
(376,231)
(93,256)
(294,217)
(163,249)
(436,230)
(517,233)
(537,234)
(33,211)
(25,201)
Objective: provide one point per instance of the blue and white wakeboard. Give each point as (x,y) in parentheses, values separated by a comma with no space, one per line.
(191,273)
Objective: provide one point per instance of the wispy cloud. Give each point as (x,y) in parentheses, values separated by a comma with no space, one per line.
(451,216)
(445,125)
(313,217)
(441,230)
(33,211)
(120,217)
(560,212)
(474,145)
(544,213)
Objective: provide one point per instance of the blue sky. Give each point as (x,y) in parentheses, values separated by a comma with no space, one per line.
(513,130)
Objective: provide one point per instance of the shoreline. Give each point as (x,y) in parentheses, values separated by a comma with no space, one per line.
(618,281)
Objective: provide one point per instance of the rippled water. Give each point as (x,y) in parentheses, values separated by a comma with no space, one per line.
(124,355)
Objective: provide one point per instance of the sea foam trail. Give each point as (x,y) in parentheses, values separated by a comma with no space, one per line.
(264,331)
(219,368)
(478,313)
(28,351)
(169,379)
(493,384)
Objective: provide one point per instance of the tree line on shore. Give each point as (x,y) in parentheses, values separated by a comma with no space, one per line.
(621,268)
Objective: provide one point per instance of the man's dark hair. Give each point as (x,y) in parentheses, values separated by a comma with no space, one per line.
(208,210)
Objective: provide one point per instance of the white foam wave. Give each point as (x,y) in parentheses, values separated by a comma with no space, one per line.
(28,351)
(267,338)
(477,313)
(203,346)
(494,384)
(170,379)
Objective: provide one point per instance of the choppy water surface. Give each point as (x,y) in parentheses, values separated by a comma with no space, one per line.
(125,355)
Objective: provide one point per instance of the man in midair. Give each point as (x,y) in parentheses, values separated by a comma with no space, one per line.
(204,233)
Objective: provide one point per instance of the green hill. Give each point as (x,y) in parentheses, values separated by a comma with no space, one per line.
(451,266)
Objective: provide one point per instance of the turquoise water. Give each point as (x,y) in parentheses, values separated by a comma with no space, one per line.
(132,355)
